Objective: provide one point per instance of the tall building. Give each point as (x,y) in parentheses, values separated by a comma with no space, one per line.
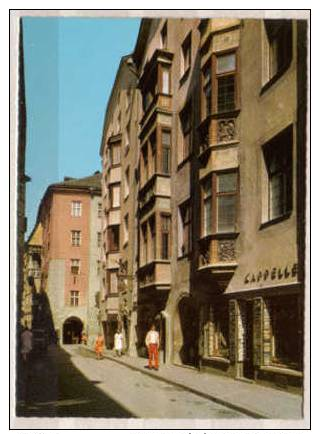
(119,200)
(220,217)
(70,215)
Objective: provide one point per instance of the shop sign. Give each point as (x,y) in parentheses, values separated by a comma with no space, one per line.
(275,273)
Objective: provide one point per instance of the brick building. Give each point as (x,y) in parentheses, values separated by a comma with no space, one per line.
(216,235)
(70,215)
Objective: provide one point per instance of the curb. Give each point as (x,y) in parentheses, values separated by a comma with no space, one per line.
(239,408)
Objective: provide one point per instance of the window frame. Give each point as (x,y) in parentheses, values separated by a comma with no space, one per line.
(112,246)
(166,232)
(75,238)
(76,208)
(168,147)
(74,298)
(186,228)
(75,269)
(112,187)
(186,55)
(212,180)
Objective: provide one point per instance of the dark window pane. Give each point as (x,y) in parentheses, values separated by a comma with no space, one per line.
(226,93)
(226,211)
(227,182)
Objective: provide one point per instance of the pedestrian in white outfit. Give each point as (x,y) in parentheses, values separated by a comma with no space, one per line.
(118,343)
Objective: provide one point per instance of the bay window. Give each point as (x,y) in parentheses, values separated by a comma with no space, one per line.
(219,199)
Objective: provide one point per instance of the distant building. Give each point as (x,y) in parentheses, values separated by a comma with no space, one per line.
(218,213)
(71,220)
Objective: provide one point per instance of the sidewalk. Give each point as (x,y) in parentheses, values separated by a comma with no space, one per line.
(252,399)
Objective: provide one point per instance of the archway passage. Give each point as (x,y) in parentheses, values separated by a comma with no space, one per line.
(72,329)
(189,331)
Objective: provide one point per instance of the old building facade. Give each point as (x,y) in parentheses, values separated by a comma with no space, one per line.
(217,218)
(119,202)
(70,216)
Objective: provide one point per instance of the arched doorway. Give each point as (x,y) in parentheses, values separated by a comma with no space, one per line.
(72,329)
(186,332)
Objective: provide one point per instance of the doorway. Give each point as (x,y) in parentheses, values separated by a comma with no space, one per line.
(248,367)
(72,329)
(189,327)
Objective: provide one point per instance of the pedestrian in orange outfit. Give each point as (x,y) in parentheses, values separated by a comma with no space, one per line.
(152,343)
(99,346)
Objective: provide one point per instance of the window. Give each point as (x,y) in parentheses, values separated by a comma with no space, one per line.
(184,229)
(75,266)
(278,161)
(119,120)
(126,229)
(165,236)
(166,144)
(207,90)
(126,182)
(74,298)
(99,239)
(225,74)
(76,208)
(216,331)
(152,227)
(164,36)
(186,55)
(76,238)
(127,137)
(165,88)
(226,197)
(115,195)
(186,124)
(207,206)
(145,164)
(115,154)
(278,47)
(144,244)
(113,281)
(153,148)
(286,330)
(113,238)
(99,210)
(220,196)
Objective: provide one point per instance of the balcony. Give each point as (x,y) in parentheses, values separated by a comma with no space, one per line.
(156,273)
(218,254)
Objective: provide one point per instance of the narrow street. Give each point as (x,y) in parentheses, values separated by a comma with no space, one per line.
(68,383)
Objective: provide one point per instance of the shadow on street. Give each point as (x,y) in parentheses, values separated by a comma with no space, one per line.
(51,386)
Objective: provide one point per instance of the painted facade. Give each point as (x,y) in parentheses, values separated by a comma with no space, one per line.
(71,221)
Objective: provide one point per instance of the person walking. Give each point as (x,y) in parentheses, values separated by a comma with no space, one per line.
(118,342)
(152,343)
(99,346)
(26,343)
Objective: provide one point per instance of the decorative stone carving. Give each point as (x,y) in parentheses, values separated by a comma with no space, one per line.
(226,130)
(226,250)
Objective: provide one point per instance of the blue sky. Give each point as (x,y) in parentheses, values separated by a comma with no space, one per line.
(70,66)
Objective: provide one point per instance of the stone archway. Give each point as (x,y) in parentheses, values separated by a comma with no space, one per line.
(186,332)
(72,329)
